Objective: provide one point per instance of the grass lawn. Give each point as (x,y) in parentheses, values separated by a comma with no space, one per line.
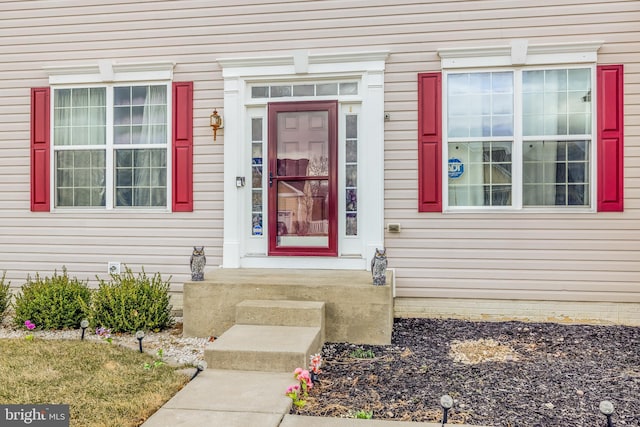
(104,384)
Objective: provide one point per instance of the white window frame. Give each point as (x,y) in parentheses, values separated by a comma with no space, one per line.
(109,74)
(518,57)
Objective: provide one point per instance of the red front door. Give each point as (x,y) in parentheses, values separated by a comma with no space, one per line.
(303,148)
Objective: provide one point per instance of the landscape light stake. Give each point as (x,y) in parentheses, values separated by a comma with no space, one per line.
(199,368)
(139,336)
(606,407)
(84,325)
(446,402)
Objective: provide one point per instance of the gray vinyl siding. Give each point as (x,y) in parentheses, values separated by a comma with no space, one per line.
(586,256)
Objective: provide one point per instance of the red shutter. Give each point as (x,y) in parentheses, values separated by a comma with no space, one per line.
(40,131)
(430,142)
(182,149)
(610,138)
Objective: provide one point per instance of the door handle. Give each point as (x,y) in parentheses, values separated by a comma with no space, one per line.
(270,179)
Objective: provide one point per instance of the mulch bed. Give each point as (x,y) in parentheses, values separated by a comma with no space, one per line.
(499,374)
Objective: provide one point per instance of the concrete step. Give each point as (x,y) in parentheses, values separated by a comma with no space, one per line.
(282,313)
(264,348)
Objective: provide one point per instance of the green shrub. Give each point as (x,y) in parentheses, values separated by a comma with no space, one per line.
(127,303)
(52,303)
(5,295)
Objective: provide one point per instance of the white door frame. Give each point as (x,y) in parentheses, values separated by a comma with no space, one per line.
(238,73)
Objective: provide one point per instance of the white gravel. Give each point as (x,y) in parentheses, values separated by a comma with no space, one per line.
(177,350)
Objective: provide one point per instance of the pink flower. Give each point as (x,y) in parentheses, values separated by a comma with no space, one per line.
(30,326)
(304,377)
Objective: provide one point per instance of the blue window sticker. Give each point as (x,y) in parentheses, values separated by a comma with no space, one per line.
(456,168)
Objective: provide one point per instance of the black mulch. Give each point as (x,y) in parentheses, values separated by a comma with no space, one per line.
(558,376)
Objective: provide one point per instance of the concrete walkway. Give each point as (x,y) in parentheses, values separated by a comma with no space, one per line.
(228,398)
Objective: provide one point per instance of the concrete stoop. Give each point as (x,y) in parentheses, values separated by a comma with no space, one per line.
(355,310)
(270,335)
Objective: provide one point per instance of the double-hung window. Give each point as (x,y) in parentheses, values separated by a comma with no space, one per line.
(111,146)
(521,127)
(519,137)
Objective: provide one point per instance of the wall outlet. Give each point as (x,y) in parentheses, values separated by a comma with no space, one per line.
(113,267)
(393,227)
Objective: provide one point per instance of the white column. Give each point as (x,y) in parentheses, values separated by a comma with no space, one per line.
(373,157)
(233,138)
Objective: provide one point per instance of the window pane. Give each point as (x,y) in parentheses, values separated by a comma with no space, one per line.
(79,178)
(140,177)
(80,97)
(256,224)
(352,224)
(502,82)
(140,115)
(256,176)
(557,102)
(280,91)
(352,150)
(122,115)
(303,90)
(551,168)
(74,122)
(351,126)
(348,88)
(327,89)
(580,79)
(501,126)
(351,175)
(122,95)
(260,92)
(352,200)
(480,173)
(480,104)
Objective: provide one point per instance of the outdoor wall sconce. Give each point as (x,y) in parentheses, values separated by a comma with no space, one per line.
(215,121)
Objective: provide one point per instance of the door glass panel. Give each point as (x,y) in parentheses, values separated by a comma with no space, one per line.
(351,175)
(256,177)
(302,202)
(303,213)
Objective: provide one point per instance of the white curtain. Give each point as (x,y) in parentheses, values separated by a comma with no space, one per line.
(154,119)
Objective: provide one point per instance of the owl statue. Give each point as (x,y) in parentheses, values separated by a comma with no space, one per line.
(379,267)
(198,261)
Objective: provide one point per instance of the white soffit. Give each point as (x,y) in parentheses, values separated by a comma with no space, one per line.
(519,52)
(106,71)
